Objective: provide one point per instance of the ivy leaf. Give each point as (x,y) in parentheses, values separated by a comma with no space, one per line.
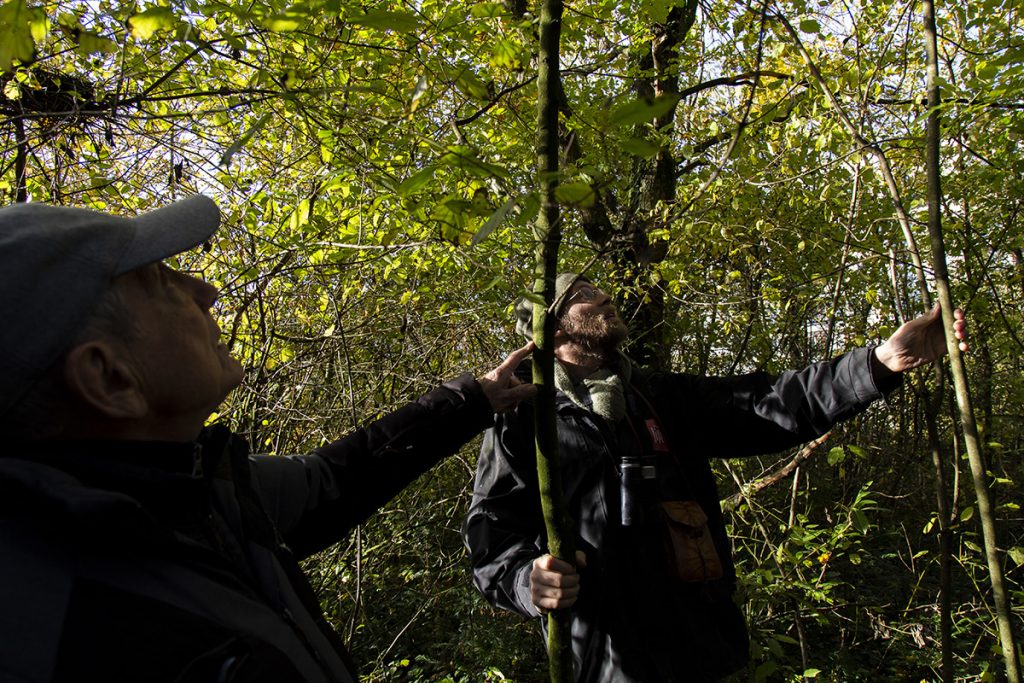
(642,110)
(144,24)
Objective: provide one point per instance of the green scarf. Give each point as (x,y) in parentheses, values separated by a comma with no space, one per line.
(602,392)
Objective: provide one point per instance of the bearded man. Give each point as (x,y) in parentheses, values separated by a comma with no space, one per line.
(653,598)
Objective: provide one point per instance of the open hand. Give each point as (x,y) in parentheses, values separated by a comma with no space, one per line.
(920,341)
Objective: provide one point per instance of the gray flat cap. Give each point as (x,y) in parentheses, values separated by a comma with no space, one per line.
(524,307)
(57,262)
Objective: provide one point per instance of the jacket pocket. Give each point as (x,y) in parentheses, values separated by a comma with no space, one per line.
(690,550)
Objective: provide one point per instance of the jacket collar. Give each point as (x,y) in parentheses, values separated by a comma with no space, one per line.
(100,482)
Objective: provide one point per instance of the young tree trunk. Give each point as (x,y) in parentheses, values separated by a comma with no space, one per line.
(560,530)
(956,361)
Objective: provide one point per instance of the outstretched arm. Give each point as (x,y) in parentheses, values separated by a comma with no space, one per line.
(920,341)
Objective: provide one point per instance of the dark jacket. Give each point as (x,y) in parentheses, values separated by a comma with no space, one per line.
(142,561)
(633,621)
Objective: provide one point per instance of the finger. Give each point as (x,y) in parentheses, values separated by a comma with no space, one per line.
(521,392)
(553,564)
(553,584)
(514,359)
(581,559)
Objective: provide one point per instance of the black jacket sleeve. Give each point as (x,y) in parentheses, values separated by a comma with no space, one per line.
(504,529)
(316,499)
(761,413)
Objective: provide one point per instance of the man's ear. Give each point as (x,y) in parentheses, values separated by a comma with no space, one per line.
(100,377)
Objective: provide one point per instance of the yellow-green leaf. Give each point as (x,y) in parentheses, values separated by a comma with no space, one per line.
(640,148)
(575,194)
(144,24)
(89,43)
(642,110)
(15,34)
(402,22)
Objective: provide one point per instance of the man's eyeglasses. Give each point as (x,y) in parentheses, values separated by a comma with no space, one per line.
(585,294)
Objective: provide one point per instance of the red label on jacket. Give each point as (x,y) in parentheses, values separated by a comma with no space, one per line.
(658,442)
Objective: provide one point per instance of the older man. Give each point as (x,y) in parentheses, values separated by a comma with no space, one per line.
(134,544)
(653,601)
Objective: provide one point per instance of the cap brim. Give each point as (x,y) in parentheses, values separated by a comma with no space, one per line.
(170,230)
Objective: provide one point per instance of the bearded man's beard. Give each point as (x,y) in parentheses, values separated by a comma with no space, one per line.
(596,335)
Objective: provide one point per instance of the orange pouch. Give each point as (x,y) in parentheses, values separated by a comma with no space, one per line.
(691,552)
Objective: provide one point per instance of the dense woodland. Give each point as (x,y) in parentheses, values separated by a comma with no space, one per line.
(749,180)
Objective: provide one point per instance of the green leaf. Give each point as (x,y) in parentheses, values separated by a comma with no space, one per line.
(39,24)
(575,194)
(642,110)
(144,24)
(966,514)
(465,158)
(402,22)
(810,26)
(859,521)
(494,221)
(89,43)
(640,148)
(1017,555)
(858,451)
(764,671)
(15,34)
(658,10)
(811,673)
(836,455)
(417,181)
(505,54)
(482,10)
(283,23)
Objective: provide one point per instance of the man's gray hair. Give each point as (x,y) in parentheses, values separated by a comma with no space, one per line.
(44,411)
